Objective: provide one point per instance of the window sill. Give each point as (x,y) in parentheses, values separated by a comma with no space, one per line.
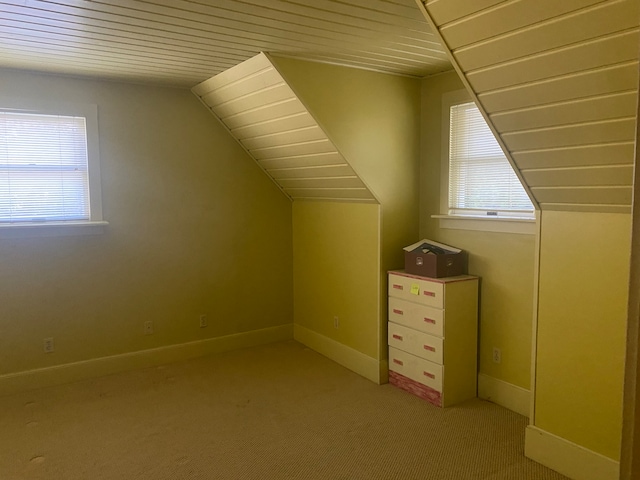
(51,229)
(523,226)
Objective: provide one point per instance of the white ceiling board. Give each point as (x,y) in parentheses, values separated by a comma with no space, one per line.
(603,51)
(579,155)
(184,42)
(583,25)
(610,131)
(618,175)
(604,107)
(506,17)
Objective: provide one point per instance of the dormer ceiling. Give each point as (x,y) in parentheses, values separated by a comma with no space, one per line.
(558,82)
(261,111)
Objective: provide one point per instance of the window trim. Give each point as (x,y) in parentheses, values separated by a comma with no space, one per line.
(96,222)
(522,224)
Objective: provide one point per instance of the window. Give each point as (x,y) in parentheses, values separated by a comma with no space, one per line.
(477,180)
(49,167)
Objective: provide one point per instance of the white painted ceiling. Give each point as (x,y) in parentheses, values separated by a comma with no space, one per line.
(184,42)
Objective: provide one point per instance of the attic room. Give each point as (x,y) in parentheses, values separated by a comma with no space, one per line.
(207,240)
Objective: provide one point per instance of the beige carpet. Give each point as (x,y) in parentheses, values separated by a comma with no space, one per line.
(279,411)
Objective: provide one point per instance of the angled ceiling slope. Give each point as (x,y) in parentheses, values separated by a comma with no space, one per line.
(265,116)
(557,81)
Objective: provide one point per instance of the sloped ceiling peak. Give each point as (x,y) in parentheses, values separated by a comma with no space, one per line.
(265,116)
(557,82)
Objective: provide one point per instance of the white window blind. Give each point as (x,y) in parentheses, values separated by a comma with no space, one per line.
(481,180)
(44,173)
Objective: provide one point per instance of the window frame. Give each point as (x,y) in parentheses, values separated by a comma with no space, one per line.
(96,222)
(509,223)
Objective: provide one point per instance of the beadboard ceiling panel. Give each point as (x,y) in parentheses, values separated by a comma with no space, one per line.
(184,42)
(557,82)
(261,111)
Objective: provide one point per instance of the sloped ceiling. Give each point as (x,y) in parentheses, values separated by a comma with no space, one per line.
(558,82)
(263,113)
(184,42)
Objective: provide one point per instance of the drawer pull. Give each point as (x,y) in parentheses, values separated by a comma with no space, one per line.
(398,311)
(429,320)
(430,375)
(397,337)
(399,362)
(428,294)
(430,348)
(398,287)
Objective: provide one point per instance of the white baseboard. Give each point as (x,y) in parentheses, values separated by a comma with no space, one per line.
(504,394)
(568,458)
(348,357)
(97,367)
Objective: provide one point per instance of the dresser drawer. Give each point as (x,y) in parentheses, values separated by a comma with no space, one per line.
(416,290)
(415,368)
(417,343)
(419,317)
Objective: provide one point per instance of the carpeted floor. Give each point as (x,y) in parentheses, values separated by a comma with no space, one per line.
(279,411)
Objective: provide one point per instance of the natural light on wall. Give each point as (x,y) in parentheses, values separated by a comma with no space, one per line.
(481,180)
(43,168)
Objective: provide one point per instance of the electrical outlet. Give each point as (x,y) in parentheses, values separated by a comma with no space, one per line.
(497,355)
(148,327)
(336,322)
(48,345)
(203,321)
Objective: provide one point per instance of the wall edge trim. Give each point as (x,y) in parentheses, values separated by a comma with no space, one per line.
(348,357)
(505,394)
(97,367)
(568,458)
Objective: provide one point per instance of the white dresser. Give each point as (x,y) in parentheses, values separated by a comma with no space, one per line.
(433,336)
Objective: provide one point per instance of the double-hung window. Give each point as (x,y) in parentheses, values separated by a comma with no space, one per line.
(478,181)
(49,167)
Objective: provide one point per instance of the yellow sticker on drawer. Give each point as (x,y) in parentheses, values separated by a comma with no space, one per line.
(415,289)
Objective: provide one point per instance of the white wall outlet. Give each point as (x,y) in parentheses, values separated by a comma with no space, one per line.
(497,355)
(336,322)
(48,345)
(148,327)
(203,321)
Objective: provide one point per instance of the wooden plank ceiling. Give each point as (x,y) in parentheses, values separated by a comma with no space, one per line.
(263,113)
(557,81)
(184,42)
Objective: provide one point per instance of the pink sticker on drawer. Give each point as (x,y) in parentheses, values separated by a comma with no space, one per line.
(429,320)
(398,311)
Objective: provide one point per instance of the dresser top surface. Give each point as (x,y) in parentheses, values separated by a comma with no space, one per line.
(457,278)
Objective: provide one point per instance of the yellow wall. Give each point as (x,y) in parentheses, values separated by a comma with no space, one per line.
(373,119)
(584,272)
(336,271)
(505,262)
(195,227)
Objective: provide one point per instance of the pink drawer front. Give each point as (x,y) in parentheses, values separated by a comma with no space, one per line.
(423,391)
